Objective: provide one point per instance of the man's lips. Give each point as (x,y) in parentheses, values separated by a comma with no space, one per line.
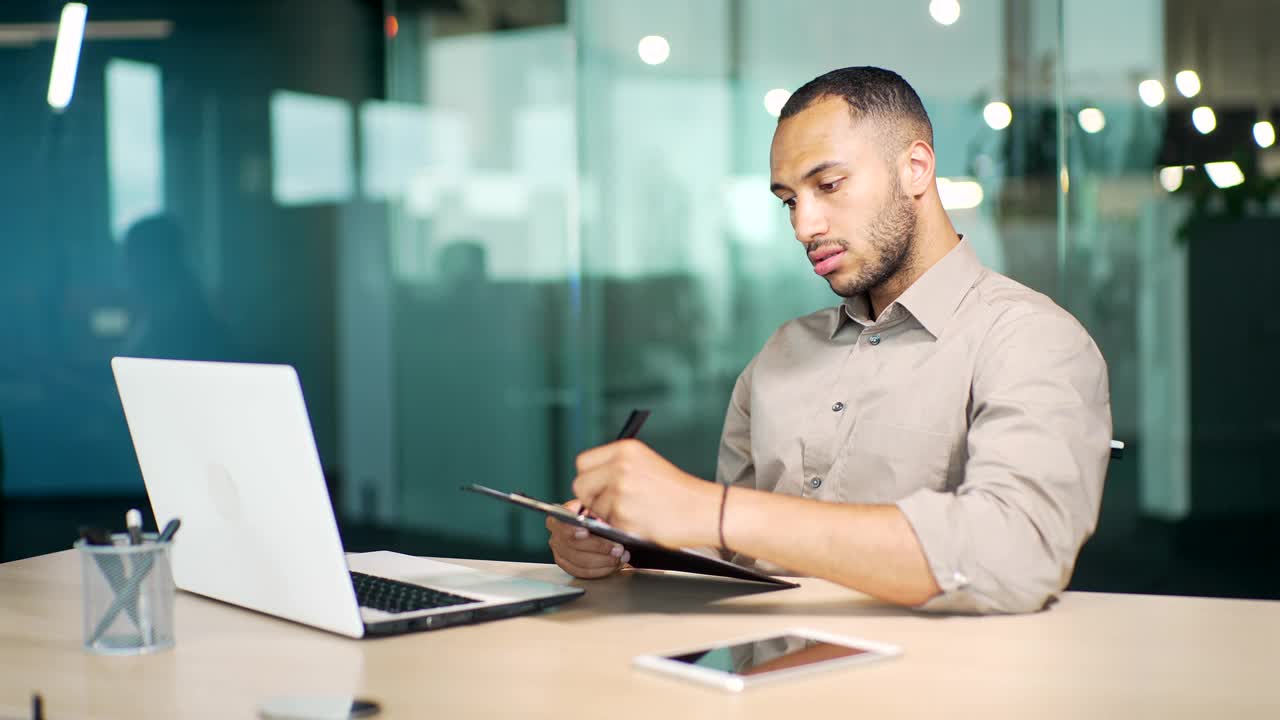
(825,260)
(824,252)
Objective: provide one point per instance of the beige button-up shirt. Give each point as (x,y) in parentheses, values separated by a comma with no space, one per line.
(976,405)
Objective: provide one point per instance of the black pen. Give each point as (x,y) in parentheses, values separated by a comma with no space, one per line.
(95,535)
(112,566)
(630,429)
(170,528)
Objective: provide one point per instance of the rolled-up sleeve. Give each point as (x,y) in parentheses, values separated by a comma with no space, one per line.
(1006,539)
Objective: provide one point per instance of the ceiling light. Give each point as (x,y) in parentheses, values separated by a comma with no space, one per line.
(774,100)
(1091,120)
(946,12)
(1151,92)
(998,115)
(1264,133)
(1204,119)
(66,55)
(654,49)
(1171,178)
(1188,83)
(959,194)
(1224,174)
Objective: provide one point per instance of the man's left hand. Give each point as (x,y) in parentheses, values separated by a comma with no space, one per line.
(635,489)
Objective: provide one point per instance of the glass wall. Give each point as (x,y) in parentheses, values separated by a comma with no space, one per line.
(186,196)
(483,231)
(472,157)
(186,202)
(691,262)
(1171,222)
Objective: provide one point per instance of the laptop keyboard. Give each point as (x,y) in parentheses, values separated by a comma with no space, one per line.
(394,596)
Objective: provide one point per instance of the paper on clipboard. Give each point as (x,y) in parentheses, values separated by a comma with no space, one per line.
(645,555)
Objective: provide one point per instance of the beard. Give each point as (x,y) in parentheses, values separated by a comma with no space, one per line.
(892,238)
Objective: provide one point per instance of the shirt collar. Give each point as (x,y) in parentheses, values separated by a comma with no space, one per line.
(932,299)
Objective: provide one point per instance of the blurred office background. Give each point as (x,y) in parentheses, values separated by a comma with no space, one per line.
(483,230)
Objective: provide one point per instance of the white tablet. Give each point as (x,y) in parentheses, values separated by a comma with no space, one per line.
(740,664)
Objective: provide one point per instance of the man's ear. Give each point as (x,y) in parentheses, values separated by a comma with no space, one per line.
(918,170)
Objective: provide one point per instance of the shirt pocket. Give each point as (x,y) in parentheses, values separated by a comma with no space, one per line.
(883,463)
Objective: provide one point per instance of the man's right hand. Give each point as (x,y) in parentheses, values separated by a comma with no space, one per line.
(580,553)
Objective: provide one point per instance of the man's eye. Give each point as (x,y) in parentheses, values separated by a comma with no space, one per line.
(790,203)
(829,187)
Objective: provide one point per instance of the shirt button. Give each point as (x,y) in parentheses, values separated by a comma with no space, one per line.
(837,407)
(815,482)
(875,340)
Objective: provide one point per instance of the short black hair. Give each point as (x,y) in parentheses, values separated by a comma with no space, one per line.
(874,94)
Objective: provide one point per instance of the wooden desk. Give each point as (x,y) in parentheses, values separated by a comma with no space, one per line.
(1091,656)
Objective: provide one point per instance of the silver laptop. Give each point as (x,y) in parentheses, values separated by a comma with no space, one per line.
(227,447)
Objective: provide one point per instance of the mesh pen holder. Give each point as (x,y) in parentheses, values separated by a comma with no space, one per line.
(128,596)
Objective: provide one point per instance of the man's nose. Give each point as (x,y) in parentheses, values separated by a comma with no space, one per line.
(809,221)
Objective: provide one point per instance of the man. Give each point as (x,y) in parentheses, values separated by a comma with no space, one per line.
(938,440)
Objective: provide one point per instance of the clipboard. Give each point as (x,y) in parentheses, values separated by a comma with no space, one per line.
(645,555)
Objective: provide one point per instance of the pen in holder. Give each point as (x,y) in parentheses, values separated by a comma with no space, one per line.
(111,564)
(128,595)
